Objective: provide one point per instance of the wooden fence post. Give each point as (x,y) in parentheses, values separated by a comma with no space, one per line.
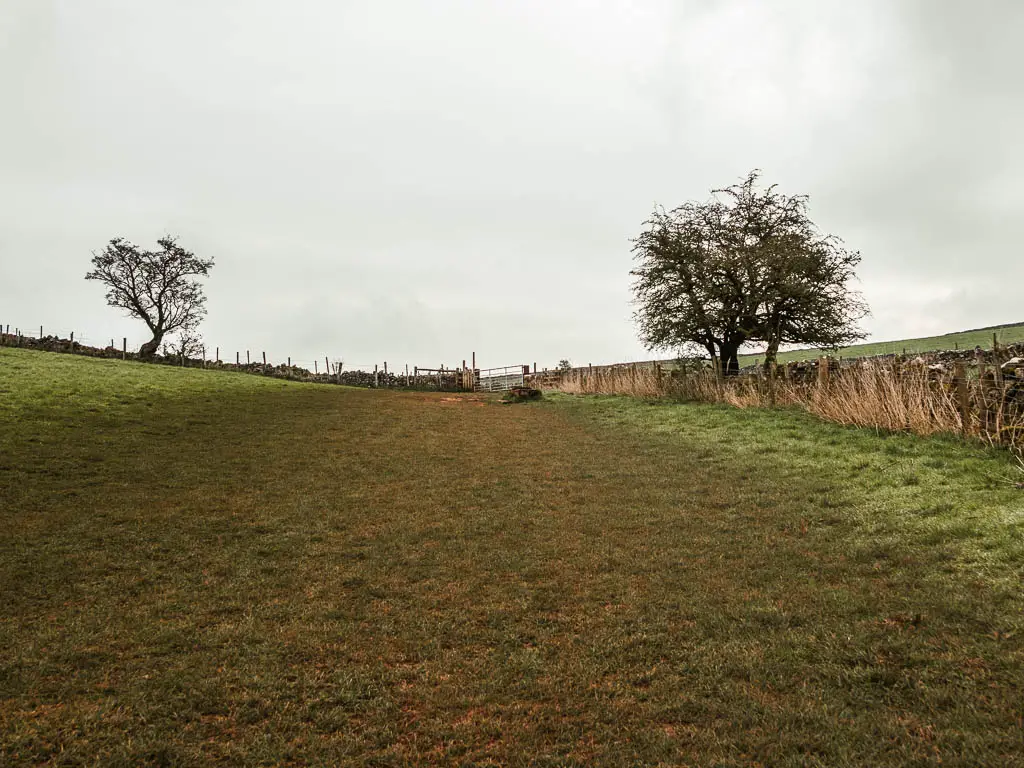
(823,372)
(375,381)
(983,397)
(315,371)
(72,342)
(218,354)
(124,348)
(264,359)
(963,405)
(327,365)
(238,360)
(248,360)
(204,356)
(40,333)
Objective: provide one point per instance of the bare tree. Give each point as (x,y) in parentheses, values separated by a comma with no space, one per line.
(188,344)
(746,266)
(158,287)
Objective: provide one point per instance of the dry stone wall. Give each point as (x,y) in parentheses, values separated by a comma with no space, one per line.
(448,381)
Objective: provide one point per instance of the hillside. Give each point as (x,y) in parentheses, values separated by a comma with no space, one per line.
(980,337)
(208,568)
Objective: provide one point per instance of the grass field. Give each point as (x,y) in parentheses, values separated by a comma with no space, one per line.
(205,568)
(982,337)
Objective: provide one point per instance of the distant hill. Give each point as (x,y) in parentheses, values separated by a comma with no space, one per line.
(1010,333)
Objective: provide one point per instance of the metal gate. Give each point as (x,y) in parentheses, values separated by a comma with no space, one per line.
(499,379)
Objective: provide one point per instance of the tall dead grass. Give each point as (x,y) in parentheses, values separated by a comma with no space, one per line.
(885,397)
(872,394)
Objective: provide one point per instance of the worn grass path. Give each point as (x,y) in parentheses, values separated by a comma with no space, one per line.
(204,568)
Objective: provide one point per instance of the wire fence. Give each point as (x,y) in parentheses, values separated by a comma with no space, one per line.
(326,370)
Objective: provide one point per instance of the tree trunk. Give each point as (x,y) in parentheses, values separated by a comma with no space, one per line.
(150,347)
(770,354)
(730,359)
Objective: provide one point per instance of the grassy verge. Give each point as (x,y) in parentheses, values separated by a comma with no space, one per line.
(206,568)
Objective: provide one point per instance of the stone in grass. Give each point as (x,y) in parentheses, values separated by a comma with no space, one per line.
(520,395)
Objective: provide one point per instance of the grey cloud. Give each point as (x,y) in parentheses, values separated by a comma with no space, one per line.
(391,180)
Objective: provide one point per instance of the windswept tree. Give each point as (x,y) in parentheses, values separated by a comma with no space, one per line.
(158,287)
(748,266)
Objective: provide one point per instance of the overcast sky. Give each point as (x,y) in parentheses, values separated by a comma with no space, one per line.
(413,181)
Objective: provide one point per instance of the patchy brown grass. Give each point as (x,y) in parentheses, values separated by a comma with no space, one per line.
(202,568)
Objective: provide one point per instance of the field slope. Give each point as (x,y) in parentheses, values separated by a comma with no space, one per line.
(981,337)
(203,568)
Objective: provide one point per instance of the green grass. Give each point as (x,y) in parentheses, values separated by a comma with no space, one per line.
(1005,334)
(205,568)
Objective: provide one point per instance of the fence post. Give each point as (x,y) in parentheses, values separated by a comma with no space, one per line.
(204,356)
(289,361)
(963,405)
(218,354)
(327,365)
(248,360)
(238,360)
(983,397)
(40,333)
(316,372)
(264,359)
(124,348)
(72,342)
(823,371)
(375,382)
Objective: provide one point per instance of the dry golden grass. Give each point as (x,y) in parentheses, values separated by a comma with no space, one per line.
(880,395)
